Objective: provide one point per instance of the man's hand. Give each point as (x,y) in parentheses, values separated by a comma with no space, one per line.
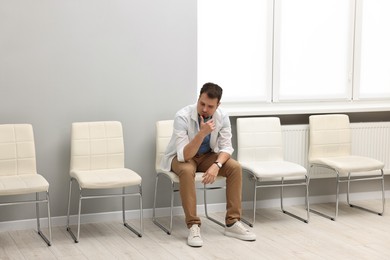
(206,127)
(210,175)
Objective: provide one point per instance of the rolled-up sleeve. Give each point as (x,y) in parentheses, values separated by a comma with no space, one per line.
(224,140)
(180,132)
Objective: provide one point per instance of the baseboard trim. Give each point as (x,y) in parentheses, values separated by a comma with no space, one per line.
(163,212)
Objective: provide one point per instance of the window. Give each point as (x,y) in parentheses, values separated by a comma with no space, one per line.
(234,47)
(275,52)
(314,61)
(372,67)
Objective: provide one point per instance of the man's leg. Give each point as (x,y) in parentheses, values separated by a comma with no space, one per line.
(186,172)
(232,171)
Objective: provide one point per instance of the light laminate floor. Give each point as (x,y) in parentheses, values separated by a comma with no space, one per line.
(355,235)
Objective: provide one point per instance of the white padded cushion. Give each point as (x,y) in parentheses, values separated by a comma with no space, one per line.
(346,164)
(164,130)
(18,174)
(22,184)
(275,169)
(329,136)
(97,145)
(106,178)
(17,150)
(259,139)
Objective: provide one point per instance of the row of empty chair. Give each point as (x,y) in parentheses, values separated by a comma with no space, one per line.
(97,162)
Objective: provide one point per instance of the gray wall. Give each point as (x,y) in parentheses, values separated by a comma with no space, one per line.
(127,60)
(67,61)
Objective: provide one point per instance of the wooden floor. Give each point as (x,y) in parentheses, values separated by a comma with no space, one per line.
(355,235)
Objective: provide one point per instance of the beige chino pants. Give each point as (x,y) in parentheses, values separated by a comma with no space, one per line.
(231,170)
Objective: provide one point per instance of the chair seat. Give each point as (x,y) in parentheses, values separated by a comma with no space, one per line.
(22,184)
(106,178)
(175,178)
(274,169)
(353,164)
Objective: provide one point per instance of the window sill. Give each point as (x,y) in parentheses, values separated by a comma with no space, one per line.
(251,109)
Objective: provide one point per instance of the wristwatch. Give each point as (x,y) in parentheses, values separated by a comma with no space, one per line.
(218,164)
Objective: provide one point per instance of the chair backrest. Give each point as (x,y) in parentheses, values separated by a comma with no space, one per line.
(330,136)
(97,145)
(17,150)
(259,139)
(164,130)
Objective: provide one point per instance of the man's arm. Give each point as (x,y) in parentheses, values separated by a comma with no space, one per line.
(223,157)
(225,150)
(192,147)
(211,174)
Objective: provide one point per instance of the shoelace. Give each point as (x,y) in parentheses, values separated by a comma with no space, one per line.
(241,226)
(195,231)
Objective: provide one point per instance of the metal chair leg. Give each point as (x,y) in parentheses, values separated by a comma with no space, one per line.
(138,233)
(47,241)
(254,203)
(79,216)
(154,219)
(363,208)
(306,201)
(76,239)
(141,212)
(154,200)
(337,199)
(68,212)
(205,206)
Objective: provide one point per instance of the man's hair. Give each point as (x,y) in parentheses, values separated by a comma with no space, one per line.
(212,90)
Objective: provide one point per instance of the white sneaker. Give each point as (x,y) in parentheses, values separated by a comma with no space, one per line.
(194,238)
(239,231)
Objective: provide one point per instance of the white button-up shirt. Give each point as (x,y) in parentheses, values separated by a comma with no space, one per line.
(186,126)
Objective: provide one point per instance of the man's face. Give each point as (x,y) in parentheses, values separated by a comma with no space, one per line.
(207,106)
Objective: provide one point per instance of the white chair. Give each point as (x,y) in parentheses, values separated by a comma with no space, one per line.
(260,152)
(330,147)
(97,162)
(18,173)
(164,130)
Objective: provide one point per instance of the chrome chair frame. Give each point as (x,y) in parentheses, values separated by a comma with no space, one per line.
(18,150)
(83,134)
(37,201)
(275,184)
(348,180)
(123,196)
(330,139)
(260,150)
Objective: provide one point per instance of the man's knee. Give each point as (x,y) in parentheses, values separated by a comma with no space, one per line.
(185,169)
(234,166)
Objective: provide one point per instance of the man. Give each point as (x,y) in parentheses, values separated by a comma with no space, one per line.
(201,141)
